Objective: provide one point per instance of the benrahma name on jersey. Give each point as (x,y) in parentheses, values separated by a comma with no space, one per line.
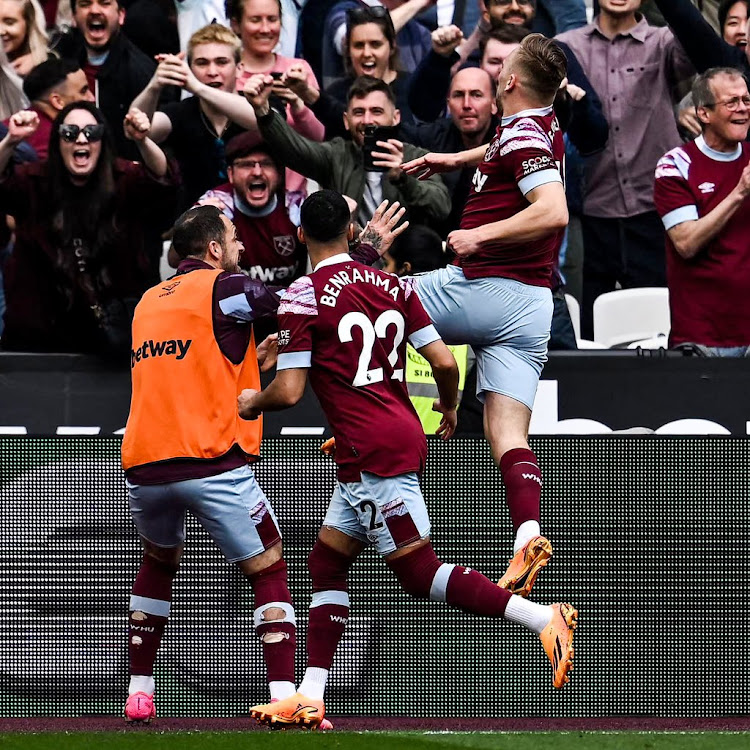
(342,278)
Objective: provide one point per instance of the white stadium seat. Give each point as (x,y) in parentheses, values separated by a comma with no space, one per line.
(628,315)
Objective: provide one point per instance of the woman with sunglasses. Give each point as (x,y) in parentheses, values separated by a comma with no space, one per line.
(85,222)
(370,50)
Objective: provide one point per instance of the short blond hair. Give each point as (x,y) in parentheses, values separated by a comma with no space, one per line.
(541,65)
(214,33)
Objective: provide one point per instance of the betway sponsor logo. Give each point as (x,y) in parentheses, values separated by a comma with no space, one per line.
(533,477)
(172,348)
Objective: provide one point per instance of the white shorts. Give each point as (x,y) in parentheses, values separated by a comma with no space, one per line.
(387,512)
(231,507)
(507,323)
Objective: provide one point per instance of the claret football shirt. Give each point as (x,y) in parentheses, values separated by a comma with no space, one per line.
(349,324)
(708,293)
(527,151)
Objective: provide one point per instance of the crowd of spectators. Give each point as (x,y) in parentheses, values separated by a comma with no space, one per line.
(117,115)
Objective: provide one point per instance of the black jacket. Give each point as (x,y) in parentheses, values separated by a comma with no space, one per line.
(124,74)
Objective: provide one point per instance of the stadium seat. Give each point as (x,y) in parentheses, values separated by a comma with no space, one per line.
(627,315)
(655,342)
(575,316)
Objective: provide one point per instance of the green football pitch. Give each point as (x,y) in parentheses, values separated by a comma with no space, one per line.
(128,740)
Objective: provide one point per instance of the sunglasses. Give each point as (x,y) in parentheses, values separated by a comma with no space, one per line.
(92,133)
(367,12)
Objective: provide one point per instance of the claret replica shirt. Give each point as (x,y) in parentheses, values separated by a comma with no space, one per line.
(709,294)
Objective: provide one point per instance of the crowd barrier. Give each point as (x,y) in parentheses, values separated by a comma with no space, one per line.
(650,536)
(580,392)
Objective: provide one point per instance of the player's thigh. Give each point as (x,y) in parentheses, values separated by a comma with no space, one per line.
(390,511)
(234,511)
(446,296)
(512,365)
(158,513)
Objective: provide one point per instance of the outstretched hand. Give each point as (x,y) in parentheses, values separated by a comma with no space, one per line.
(329,447)
(383,228)
(430,164)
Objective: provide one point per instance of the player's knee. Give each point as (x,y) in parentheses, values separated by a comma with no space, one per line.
(416,570)
(329,569)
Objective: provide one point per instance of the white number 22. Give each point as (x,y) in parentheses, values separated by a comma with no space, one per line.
(370,332)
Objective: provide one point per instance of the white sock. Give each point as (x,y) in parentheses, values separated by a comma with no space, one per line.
(141,684)
(527,530)
(313,684)
(534,616)
(281,689)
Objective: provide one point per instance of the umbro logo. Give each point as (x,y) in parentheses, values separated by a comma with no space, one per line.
(169,288)
(706,187)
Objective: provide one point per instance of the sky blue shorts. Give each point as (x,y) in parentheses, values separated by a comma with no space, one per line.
(231,507)
(386,512)
(507,323)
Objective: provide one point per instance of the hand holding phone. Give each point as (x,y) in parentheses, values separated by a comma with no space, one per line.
(373,134)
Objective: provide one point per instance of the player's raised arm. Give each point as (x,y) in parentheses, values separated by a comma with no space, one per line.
(434,163)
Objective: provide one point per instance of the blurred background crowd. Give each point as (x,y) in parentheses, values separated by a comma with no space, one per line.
(118,116)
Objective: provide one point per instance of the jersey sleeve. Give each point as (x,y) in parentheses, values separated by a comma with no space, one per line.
(527,150)
(298,313)
(242,298)
(419,328)
(672,195)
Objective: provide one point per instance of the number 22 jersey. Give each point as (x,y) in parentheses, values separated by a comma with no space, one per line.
(349,323)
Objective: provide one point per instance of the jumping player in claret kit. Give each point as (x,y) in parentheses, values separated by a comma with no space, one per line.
(497,296)
(347,325)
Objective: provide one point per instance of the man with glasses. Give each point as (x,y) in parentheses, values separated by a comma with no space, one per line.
(252,200)
(634,68)
(702,194)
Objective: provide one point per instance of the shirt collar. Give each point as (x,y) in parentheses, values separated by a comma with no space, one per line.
(191,264)
(254,213)
(638,32)
(540,112)
(333,260)
(711,153)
